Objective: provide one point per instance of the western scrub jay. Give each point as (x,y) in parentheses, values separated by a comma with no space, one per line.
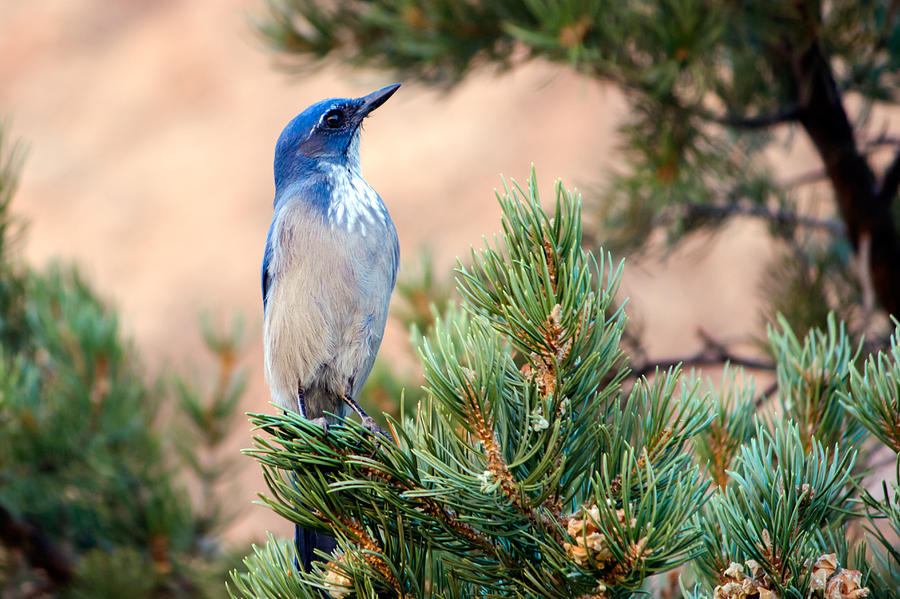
(329,267)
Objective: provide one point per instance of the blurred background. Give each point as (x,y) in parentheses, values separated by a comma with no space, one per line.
(149,129)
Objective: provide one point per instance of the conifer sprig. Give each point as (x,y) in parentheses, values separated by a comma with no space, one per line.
(783,495)
(813,375)
(872,400)
(733,425)
(874,397)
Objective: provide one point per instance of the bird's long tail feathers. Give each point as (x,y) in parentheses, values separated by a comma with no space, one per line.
(306,542)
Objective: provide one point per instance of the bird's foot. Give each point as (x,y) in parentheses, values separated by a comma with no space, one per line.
(367,421)
(372,427)
(301,407)
(321,421)
(376,432)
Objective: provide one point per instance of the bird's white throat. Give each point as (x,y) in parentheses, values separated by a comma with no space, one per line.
(354,204)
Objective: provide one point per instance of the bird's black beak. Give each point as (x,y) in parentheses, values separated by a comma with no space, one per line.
(375,99)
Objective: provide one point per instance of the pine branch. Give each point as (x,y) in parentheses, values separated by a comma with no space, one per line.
(874,395)
(813,373)
(788,114)
(477,495)
(372,552)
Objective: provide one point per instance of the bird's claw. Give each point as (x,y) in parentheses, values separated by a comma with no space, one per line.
(376,432)
(321,421)
(369,423)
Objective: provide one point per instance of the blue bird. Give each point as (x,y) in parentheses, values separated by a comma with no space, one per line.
(329,268)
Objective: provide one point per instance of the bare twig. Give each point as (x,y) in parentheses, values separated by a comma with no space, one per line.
(880,141)
(713,353)
(777,216)
(787,114)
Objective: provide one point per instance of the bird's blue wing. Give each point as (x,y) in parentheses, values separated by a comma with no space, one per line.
(395,259)
(267,258)
(394,253)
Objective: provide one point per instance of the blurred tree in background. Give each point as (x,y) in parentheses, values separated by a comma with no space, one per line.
(713,88)
(97,462)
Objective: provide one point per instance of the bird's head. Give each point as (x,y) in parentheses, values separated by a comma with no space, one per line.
(327,131)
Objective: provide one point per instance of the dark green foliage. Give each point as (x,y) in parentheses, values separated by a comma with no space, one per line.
(12,310)
(93,501)
(78,424)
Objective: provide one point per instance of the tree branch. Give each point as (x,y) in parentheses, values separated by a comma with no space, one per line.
(767,393)
(713,353)
(785,115)
(886,189)
(35,546)
(879,141)
(858,195)
(777,216)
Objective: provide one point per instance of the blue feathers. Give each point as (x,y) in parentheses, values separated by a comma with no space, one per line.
(267,258)
(328,132)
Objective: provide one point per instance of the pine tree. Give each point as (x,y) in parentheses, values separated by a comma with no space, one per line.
(94,500)
(718,91)
(527,471)
(538,466)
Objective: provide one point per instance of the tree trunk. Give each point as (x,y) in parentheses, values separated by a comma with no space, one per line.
(864,205)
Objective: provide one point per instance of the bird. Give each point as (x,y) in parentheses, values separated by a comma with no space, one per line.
(329,268)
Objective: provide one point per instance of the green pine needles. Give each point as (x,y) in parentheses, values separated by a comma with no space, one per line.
(536,466)
(528,471)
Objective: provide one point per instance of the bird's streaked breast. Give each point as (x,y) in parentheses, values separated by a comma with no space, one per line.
(354,206)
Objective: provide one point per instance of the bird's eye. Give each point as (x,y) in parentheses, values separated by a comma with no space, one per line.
(334,118)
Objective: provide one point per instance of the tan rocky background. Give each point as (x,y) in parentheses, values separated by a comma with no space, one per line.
(151,127)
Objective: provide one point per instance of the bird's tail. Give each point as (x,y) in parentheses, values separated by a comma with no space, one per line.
(306,542)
